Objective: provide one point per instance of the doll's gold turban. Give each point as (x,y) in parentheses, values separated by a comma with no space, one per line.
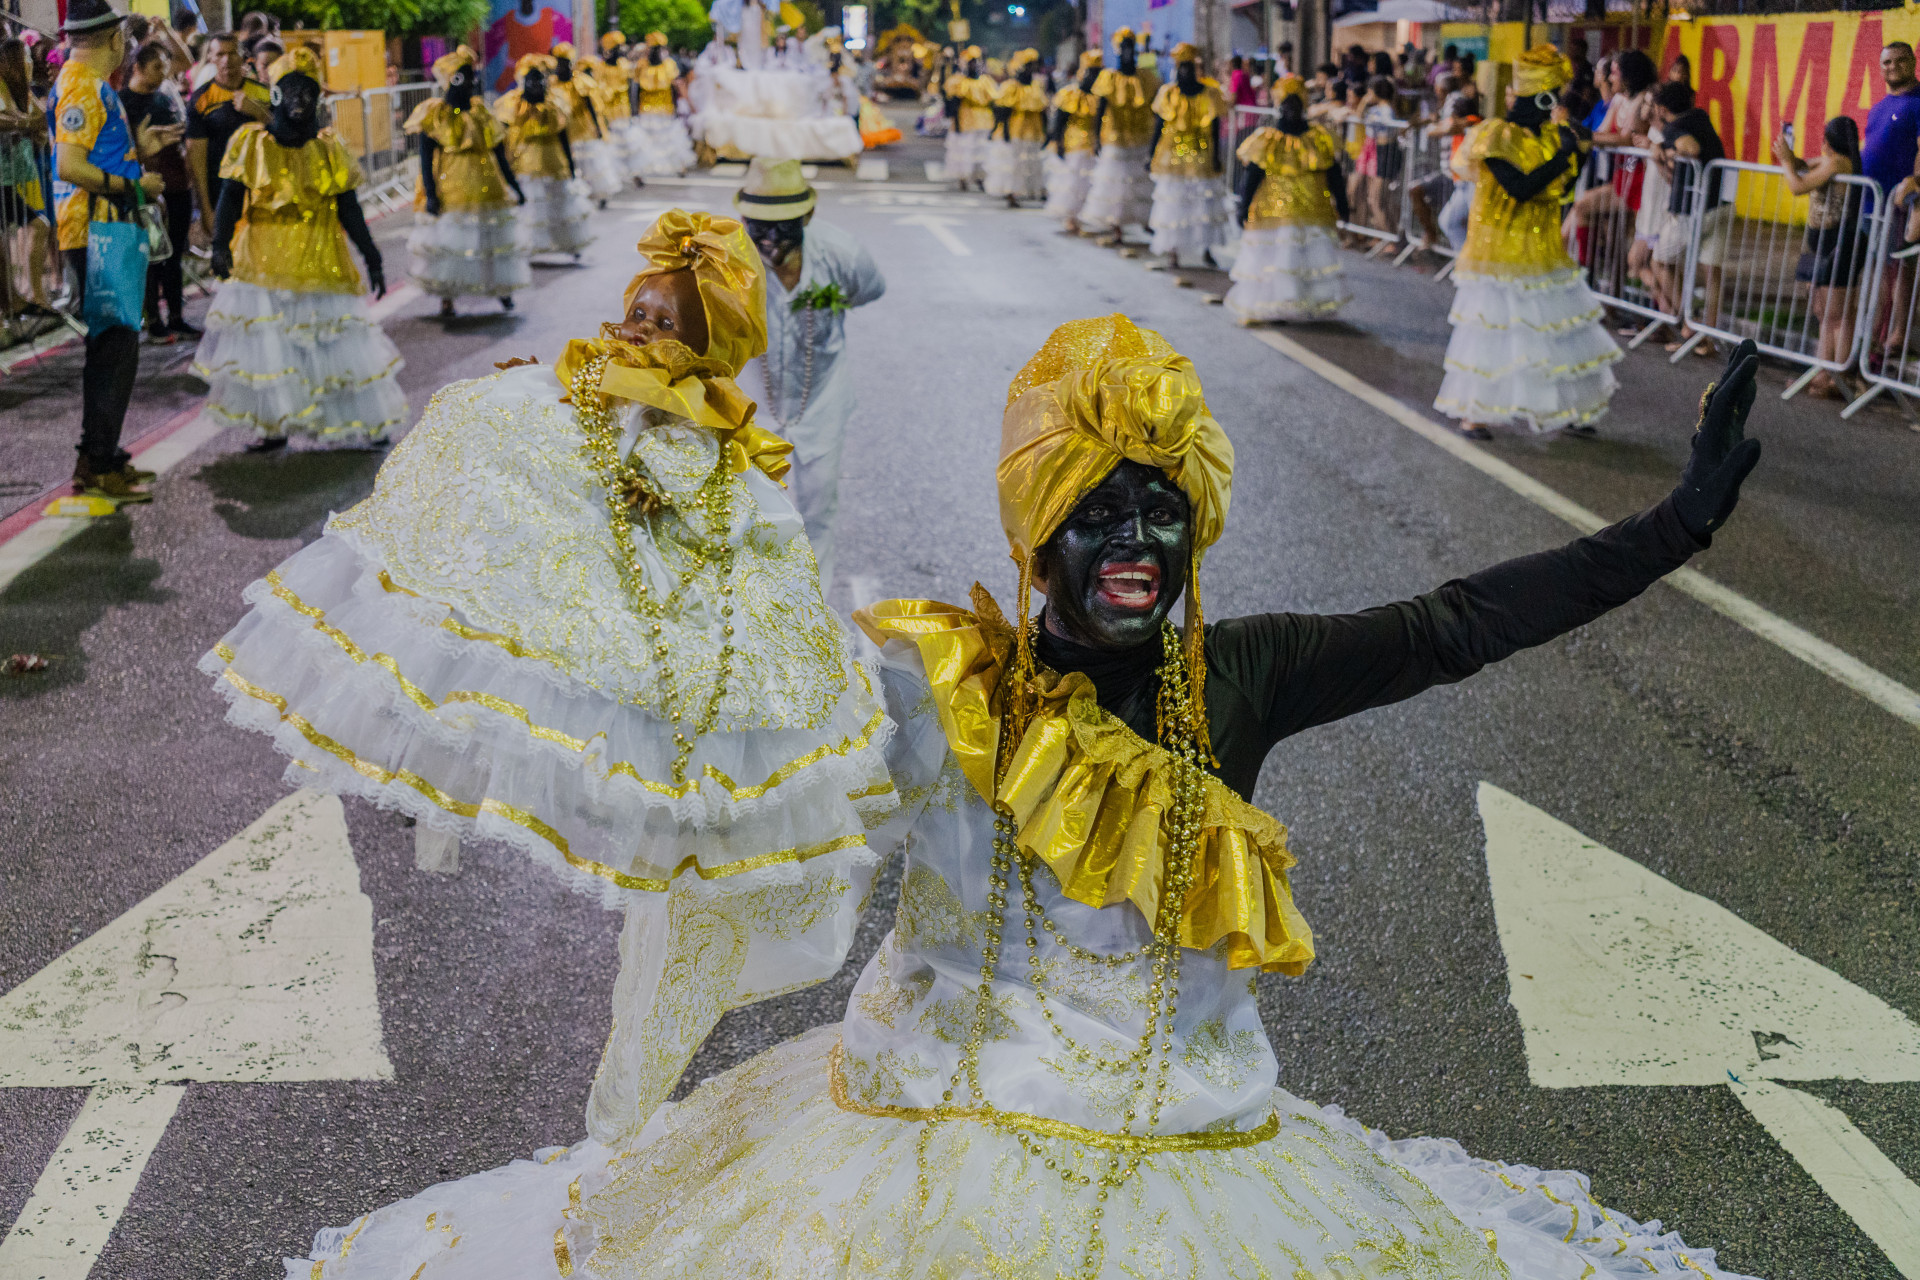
(727,268)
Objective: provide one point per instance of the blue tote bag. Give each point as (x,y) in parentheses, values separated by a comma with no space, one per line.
(116,271)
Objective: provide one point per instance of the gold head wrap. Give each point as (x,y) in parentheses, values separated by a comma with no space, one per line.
(532,62)
(300,60)
(1091,59)
(1099,393)
(1186,52)
(1290,87)
(1121,36)
(670,376)
(563,50)
(969,53)
(657,39)
(1022,58)
(612,40)
(446,64)
(1541,69)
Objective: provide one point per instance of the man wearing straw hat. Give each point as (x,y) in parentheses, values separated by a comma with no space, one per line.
(815,273)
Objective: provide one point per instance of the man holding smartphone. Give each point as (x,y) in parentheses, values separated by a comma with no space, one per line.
(96,169)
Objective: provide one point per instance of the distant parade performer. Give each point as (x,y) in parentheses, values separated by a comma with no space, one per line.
(291,351)
(612,101)
(816,272)
(1290,196)
(661,145)
(970,107)
(1075,130)
(1015,144)
(466,237)
(1527,341)
(1189,213)
(1121,192)
(554,217)
(594,159)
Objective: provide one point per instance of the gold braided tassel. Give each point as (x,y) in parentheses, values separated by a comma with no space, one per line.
(1021,699)
(1197,664)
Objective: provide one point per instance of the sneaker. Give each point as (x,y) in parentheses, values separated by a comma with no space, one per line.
(160,336)
(185,330)
(267,444)
(116,486)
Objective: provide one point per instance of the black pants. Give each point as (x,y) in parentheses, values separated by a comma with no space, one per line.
(164,278)
(106,382)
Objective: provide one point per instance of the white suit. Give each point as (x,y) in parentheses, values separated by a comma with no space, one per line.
(808,394)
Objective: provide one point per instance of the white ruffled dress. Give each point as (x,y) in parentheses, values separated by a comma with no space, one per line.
(472,247)
(813,1160)
(557,215)
(1068,179)
(1287,273)
(658,145)
(1120,191)
(778,113)
(1013,167)
(1188,216)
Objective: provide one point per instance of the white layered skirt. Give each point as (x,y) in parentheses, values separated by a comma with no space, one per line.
(554,218)
(312,367)
(1188,216)
(599,163)
(1067,182)
(1014,169)
(1287,273)
(761,1172)
(798,138)
(965,155)
(1120,194)
(658,145)
(1528,349)
(468,252)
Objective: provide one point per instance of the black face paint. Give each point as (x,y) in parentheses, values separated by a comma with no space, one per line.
(1026,74)
(296,110)
(563,69)
(460,89)
(1087,78)
(775,239)
(533,88)
(1129,57)
(1115,567)
(1187,76)
(653,57)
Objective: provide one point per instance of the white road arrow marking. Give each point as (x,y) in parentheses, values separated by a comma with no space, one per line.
(1621,977)
(942,229)
(256,964)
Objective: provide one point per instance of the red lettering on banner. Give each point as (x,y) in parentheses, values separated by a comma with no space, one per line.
(1766,109)
(1719,59)
(1863,72)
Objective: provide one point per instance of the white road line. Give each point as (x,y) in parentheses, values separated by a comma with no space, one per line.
(1876,687)
(85,1188)
(942,229)
(395,299)
(1849,1168)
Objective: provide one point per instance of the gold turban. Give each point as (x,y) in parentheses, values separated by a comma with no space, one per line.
(1186,52)
(446,64)
(299,60)
(563,50)
(726,266)
(969,53)
(531,62)
(1022,58)
(1290,87)
(1091,59)
(656,39)
(612,40)
(1541,69)
(1121,36)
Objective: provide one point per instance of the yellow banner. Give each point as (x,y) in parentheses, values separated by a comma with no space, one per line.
(1755,74)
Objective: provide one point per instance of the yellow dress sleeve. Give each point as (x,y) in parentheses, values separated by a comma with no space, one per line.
(423,118)
(1164,104)
(1254,147)
(506,107)
(242,157)
(1103,83)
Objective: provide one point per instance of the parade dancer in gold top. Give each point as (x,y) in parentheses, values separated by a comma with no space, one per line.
(291,351)
(465,238)
(1121,191)
(554,217)
(1014,144)
(1527,343)
(1189,214)
(661,145)
(1289,200)
(1070,143)
(970,106)
(594,159)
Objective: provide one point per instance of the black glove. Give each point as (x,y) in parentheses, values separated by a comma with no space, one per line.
(222,261)
(433,206)
(377,276)
(1722,455)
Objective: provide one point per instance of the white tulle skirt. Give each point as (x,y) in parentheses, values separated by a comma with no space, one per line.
(798,138)
(965,155)
(1528,349)
(554,218)
(1014,169)
(601,165)
(1188,215)
(312,367)
(760,1172)
(1120,194)
(658,145)
(464,252)
(1287,273)
(1067,182)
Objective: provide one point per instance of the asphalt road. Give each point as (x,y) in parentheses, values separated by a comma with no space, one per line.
(1665,732)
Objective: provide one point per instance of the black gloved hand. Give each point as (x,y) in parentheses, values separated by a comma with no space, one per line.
(377,277)
(433,206)
(222,261)
(1722,455)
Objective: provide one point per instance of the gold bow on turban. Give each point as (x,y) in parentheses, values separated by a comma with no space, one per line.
(299,60)
(446,64)
(1121,36)
(532,62)
(656,39)
(1541,69)
(612,40)
(1186,52)
(563,50)
(1090,59)
(1289,87)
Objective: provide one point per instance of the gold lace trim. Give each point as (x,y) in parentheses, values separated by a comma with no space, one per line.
(520,817)
(621,768)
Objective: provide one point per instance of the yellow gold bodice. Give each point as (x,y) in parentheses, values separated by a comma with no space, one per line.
(976,102)
(1079,108)
(1294,192)
(656,88)
(289,235)
(1028,102)
(464,170)
(1129,118)
(533,136)
(1186,139)
(575,104)
(1504,236)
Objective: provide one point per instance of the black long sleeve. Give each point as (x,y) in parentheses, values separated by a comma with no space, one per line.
(226,214)
(1524,186)
(1269,676)
(566,149)
(354,223)
(506,169)
(1337,187)
(428,183)
(1251,176)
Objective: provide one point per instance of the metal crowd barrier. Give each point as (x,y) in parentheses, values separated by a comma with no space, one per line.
(1793,288)
(1620,228)
(1426,158)
(1376,189)
(1888,358)
(371,122)
(30,269)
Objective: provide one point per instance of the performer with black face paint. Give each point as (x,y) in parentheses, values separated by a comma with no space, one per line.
(1076,114)
(1291,195)
(969,98)
(1121,192)
(816,273)
(554,217)
(1527,341)
(1189,213)
(1012,161)
(465,236)
(291,351)
(1055,1064)
(593,156)
(660,143)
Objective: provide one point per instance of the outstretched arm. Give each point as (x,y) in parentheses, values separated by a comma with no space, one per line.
(1306,670)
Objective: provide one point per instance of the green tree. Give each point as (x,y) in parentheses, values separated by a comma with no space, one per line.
(395,17)
(684,21)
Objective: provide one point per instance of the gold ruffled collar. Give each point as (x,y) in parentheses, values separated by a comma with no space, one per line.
(1091,796)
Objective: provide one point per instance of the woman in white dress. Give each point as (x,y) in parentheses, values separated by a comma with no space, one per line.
(1291,198)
